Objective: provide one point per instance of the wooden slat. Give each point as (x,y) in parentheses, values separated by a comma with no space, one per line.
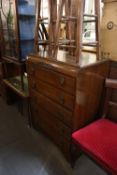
(42,19)
(111,83)
(113,104)
(68,18)
(90,15)
(89,21)
(67,46)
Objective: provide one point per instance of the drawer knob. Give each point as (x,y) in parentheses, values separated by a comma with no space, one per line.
(62,100)
(62,80)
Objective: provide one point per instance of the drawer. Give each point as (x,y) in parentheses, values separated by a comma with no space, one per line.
(52,107)
(58,96)
(60,135)
(49,124)
(52,77)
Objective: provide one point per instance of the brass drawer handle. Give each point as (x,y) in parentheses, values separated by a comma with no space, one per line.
(62,80)
(62,100)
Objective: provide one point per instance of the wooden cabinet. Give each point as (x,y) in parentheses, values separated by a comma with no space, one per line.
(17,30)
(64,97)
(17,27)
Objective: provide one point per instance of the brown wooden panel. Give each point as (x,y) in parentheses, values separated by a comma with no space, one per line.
(89,92)
(112,114)
(49,123)
(61,140)
(113,73)
(55,109)
(53,93)
(113,70)
(52,77)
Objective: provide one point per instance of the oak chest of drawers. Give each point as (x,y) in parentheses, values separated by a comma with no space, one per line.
(63,97)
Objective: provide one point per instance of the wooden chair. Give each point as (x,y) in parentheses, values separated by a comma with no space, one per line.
(74,18)
(70,14)
(45,25)
(99,139)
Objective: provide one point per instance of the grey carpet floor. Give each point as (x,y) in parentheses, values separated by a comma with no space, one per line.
(23,151)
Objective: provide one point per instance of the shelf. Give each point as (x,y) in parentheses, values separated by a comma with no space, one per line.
(26,39)
(13,60)
(27,15)
(15,84)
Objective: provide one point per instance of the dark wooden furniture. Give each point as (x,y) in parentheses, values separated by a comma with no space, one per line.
(64,96)
(17,30)
(99,139)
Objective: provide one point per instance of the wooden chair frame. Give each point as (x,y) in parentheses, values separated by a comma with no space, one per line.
(110,84)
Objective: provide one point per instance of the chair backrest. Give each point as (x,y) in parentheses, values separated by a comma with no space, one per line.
(110,106)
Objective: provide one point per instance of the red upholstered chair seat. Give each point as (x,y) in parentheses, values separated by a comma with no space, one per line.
(99,140)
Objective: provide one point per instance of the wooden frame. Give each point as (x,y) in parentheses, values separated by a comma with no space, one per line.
(74,19)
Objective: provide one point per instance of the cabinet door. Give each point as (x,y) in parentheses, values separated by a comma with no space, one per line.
(9,28)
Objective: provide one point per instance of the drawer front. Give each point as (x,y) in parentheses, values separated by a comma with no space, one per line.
(63,140)
(48,123)
(53,93)
(55,109)
(52,77)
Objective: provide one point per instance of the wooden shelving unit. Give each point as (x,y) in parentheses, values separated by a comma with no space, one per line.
(15,85)
(17,31)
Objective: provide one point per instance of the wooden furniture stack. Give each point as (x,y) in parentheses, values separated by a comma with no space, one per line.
(65,88)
